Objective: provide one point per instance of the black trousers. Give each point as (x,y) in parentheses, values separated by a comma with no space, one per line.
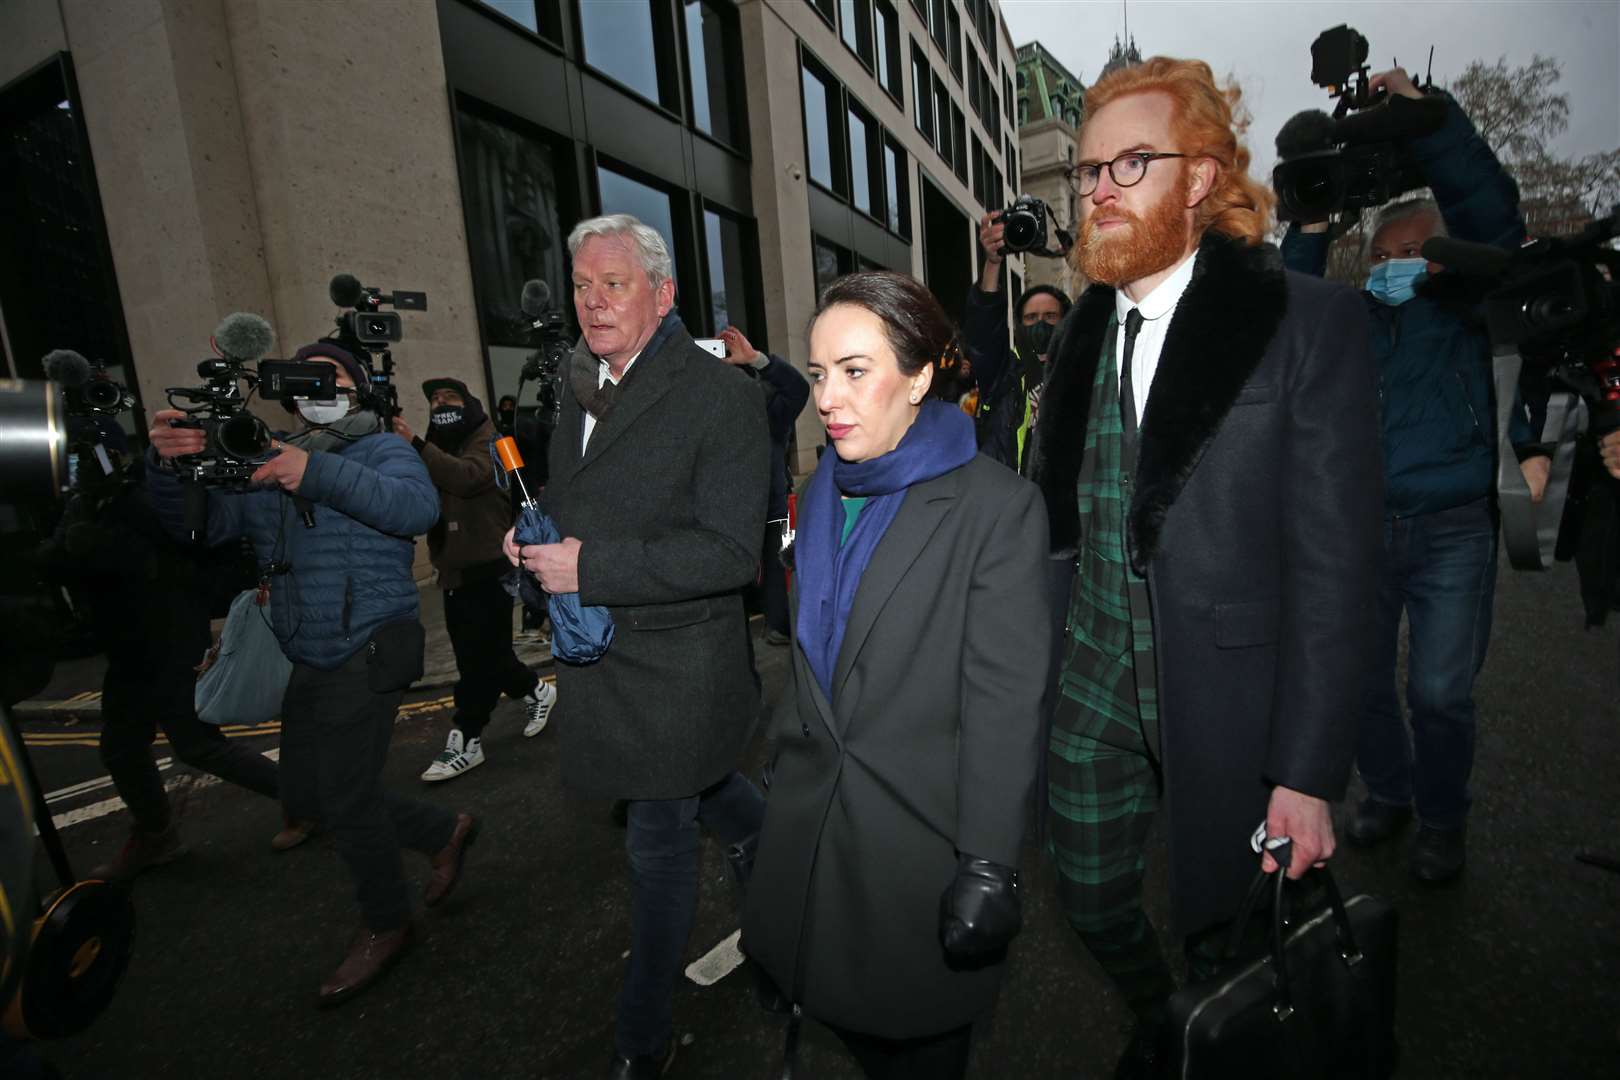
(933,1057)
(478,618)
(138,699)
(334,740)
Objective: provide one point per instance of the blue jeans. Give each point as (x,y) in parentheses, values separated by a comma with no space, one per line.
(662,839)
(1441,570)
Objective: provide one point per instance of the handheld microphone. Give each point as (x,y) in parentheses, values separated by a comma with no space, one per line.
(1467,258)
(345,290)
(66,367)
(536,298)
(243,337)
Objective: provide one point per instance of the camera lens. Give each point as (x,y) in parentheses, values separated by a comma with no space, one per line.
(103,394)
(243,437)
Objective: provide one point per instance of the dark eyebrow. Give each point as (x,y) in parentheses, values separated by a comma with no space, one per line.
(851,356)
(1135,149)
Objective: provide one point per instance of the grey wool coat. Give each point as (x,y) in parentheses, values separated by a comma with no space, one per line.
(668,502)
(927,748)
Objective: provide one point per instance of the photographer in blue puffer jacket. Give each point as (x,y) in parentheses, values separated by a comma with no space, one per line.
(1438,418)
(343,604)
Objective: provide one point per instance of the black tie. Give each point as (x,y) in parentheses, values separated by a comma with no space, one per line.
(1127,393)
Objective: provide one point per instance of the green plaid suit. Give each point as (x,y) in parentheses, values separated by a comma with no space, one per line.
(1103,783)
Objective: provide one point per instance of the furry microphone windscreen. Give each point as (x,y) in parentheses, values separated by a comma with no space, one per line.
(243,336)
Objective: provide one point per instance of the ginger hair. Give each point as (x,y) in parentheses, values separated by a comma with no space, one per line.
(1207,121)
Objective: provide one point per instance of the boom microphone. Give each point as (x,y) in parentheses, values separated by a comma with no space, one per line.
(66,367)
(1464,257)
(345,290)
(1305,133)
(243,337)
(536,298)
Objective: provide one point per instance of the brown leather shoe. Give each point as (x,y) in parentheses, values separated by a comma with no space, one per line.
(142,851)
(369,956)
(447,863)
(293,832)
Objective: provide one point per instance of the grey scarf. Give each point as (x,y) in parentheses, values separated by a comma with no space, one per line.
(585,370)
(338,434)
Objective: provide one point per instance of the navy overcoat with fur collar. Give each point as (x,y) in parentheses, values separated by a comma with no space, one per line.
(1257,519)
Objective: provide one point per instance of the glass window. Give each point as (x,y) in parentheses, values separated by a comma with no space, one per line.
(922,96)
(821,110)
(993,120)
(1006,95)
(937,23)
(619,43)
(728,275)
(959,157)
(979,194)
(712,53)
(942,112)
(895,174)
(856,28)
(865,164)
(519,11)
(954,31)
(622,195)
(828,9)
(832,262)
(887,46)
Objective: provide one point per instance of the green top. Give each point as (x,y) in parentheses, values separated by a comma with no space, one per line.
(853,505)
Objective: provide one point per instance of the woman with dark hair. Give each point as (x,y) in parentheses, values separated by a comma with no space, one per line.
(884,891)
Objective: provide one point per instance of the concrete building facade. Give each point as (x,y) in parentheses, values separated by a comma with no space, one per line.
(176,160)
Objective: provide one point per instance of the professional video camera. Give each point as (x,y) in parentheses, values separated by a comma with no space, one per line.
(1555,307)
(62,953)
(1359,156)
(238,442)
(545,364)
(1024,225)
(87,389)
(368,332)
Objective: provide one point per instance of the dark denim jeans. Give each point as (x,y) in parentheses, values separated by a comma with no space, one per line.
(1440,570)
(662,839)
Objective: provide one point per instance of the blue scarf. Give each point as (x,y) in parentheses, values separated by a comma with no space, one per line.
(939,440)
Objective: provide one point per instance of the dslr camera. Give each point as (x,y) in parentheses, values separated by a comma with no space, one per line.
(1358,157)
(1025,226)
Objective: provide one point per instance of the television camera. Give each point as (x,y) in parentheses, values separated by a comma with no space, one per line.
(1358,157)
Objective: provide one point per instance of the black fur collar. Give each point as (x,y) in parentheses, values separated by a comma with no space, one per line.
(1218,336)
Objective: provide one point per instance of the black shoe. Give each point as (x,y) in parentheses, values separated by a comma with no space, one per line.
(1147,1057)
(642,1066)
(1376,821)
(1438,854)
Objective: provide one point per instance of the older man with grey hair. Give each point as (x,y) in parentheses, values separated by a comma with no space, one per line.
(658,486)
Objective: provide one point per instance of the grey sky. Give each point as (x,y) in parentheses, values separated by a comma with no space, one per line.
(1266,46)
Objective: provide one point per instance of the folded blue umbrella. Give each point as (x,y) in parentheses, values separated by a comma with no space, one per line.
(579,634)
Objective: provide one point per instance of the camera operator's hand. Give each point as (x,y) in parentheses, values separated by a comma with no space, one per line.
(402,429)
(556,565)
(173,442)
(1536,470)
(738,349)
(991,232)
(1396,81)
(1609,446)
(285,470)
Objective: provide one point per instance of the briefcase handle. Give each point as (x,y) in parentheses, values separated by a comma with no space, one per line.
(1349,952)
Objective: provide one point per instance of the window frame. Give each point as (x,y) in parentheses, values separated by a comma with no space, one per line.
(838,154)
(736,98)
(896,57)
(922,104)
(901,206)
(878,193)
(666,37)
(869,62)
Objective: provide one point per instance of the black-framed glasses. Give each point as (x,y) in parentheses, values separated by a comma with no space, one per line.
(1126,170)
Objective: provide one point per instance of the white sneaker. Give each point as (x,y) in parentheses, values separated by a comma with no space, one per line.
(539,702)
(456,758)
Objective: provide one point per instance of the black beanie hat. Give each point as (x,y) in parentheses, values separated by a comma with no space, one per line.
(430,385)
(332,350)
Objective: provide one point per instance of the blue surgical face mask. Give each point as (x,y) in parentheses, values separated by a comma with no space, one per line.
(1394,281)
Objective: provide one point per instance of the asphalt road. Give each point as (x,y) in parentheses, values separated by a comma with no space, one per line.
(1510,972)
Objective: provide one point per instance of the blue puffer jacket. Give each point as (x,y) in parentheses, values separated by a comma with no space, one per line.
(349,574)
(1435,391)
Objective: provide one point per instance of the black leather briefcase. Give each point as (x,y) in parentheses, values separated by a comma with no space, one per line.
(1321,1005)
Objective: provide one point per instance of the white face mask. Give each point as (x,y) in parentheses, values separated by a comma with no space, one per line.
(324,412)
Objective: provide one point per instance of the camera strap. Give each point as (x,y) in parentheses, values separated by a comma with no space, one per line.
(1530,529)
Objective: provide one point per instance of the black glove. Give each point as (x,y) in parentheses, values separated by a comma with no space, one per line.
(979,912)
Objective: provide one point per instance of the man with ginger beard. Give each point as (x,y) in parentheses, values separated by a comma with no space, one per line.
(1208,449)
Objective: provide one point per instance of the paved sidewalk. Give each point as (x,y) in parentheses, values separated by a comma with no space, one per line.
(75,687)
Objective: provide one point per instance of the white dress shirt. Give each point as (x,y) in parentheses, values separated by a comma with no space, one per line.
(1156,307)
(603,375)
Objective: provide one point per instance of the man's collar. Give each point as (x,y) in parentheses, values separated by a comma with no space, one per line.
(605,373)
(1162,300)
